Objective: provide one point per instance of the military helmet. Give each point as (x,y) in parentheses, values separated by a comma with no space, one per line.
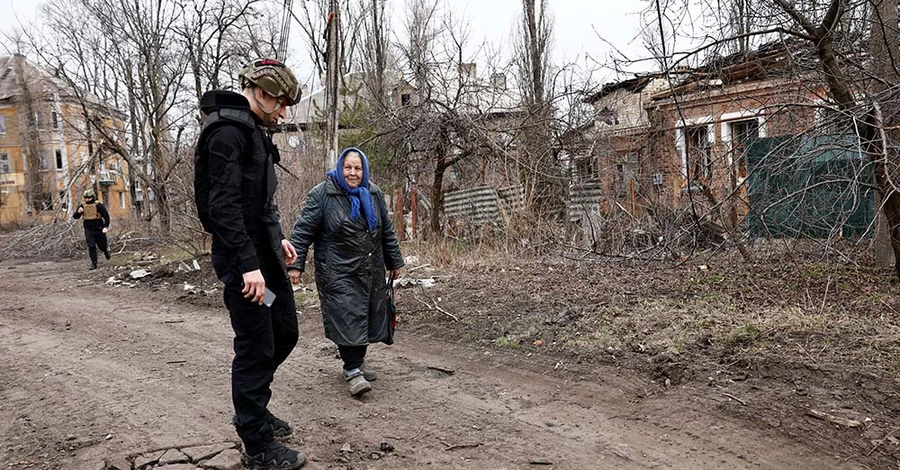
(273,77)
(89,193)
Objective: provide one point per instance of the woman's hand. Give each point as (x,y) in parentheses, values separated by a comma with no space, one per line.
(295,275)
(290,254)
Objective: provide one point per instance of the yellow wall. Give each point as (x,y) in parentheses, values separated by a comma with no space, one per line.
(69,140)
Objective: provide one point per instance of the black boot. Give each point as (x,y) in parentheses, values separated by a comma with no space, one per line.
(274,455)
(280,427)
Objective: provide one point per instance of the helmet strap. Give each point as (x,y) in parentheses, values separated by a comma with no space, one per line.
(268,114)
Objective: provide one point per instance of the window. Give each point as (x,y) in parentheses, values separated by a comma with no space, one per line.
(742,133)
(4,163)
(121,199)
(608,116)
(59,159)
(405,99)
(54,119)
(626,173)
(63,203)
(699,153)
(2,124)
(44,163)
(584,169)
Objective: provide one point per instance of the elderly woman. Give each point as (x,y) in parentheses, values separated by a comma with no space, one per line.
(355,244)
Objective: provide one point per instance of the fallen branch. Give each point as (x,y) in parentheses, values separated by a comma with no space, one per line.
(418,267)
(438,308)
(540,462)
(459,446)
(850,423)
(735,398)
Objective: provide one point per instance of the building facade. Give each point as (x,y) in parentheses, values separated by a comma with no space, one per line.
(669,139)
(48,154)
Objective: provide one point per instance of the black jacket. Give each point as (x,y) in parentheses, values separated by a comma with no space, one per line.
(94,224)
(237,203)
(350,263)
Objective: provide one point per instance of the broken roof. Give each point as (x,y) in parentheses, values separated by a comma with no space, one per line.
(43,83)
(636,84)
(776,59)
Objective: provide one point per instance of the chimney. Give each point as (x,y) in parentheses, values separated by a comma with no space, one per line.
(467,71)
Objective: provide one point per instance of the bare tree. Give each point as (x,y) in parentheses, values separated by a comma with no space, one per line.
(532,57)
(152,59)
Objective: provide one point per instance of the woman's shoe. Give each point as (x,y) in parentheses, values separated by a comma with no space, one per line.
(358,384)
(370,375)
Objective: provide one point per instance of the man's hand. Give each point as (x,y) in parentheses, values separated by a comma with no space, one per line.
(290,254)
(105,229)
(394,274)
(295,275)
(80,210)
(254,286)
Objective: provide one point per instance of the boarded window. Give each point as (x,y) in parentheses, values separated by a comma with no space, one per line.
(4,163)
(626,174)
(2,124)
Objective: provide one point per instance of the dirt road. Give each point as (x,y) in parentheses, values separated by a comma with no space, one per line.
(91,373)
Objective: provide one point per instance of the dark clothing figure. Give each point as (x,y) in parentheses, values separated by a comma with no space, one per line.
(235,188)
(355,245)
(96,224)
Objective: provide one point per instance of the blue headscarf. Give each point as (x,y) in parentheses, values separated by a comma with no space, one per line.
(359,195)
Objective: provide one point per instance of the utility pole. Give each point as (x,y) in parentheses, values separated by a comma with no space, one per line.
(331,86)
(285,31)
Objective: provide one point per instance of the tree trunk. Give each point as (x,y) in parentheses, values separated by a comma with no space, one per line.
(881,128)
(437,196)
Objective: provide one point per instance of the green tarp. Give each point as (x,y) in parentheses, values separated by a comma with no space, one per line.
(801,187)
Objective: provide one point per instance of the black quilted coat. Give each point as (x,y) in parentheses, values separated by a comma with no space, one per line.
(351,263)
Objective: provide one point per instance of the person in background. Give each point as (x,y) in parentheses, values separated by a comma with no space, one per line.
(96,224)
(234,187)
(347,220)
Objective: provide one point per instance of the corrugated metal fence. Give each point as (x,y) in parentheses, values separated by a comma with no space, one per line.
(484,204)
(584,200)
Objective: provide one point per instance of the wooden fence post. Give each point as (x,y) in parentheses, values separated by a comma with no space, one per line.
(399,225)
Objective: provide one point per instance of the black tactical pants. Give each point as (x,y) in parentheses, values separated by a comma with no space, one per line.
(263,339)
(95,238)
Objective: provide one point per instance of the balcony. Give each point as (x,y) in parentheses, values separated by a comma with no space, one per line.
(107,178)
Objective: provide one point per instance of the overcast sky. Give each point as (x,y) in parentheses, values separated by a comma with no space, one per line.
(584,30)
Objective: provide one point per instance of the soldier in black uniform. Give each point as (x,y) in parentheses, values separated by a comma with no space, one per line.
(96,224)
(234,186)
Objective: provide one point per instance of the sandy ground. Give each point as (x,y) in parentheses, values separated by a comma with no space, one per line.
(90,373)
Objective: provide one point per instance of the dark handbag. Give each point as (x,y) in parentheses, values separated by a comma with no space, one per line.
(391,309)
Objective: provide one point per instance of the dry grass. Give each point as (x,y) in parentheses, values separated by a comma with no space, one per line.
(799,305)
